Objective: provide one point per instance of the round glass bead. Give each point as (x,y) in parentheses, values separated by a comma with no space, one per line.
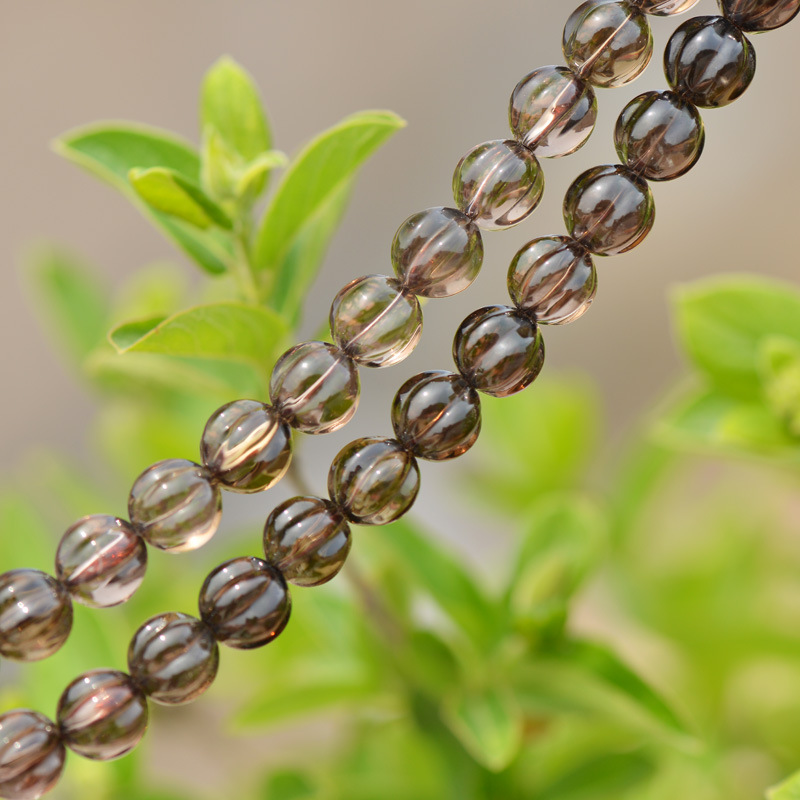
(436,415)
(554,279)
(31,755)
(246,446)
(374,480)
(375,321)
(659,135)
(173,658)
(437,252)
(499,350)
(709,62)
(607,43)
(315,387)
(497,184)
(101,560)
(609,210)
(552,111)
(307,539)
(102,715)
(175,505)
(35,614)
(245,602)
(760,15)
(665,8)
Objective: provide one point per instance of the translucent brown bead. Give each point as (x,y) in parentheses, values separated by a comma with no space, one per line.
(499,350)
(554,279)
(665,8)
(35,614)
(175,505)
(609,210)
(436,415)
(437,252)
(102,715)
(245,602)
(374,480)
(608,43)
(173,658)
(659,135)
(498,183)
(246,446)
(709,62)
(102,560)
(31,755)
(375,321)
(552,111)
(315,387)
(760,15)
(307,539)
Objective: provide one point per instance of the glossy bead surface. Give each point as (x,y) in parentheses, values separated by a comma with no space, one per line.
(375,322)
(246,446)
(35,614)
(374,480)
(436,415)
(245,602)
(659,135)
(665,8)
(101,560)
(173,658)
(499,350)
(31,755)
(609,210)
(760,15)
(315,387)
(608,43)
(554,279)
(175,505)
(102,715)
(498,183)
(307,539)
(437,252)
(552,111)
(709,62)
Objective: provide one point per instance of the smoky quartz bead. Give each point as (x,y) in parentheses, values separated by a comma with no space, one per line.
(245,602)
(554,279)
(246,446)
(102,715)
(315,387)
(173,658)
(31,755)
(436,415)
(175,505)
(499,350)
(608,43)
(709,62)
(35,614)
(609,210)
(659,135)
(437,252)
(374,480)
(375,321)
(497,184)
(101,560)
(760,15)
(307,539)
(665,8)
(552,111)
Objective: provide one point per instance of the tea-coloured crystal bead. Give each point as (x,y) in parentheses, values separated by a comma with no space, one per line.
(759,15)
(31,755)
(665,8)
(374,480)
(375,321)
(246,446)
(175,505)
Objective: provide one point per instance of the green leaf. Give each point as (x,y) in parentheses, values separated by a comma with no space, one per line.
(489,724)
(288,785)
(111,150)
(169,192)
(781,367)
(609,777)
(788,790)
(253,174)
(308,204)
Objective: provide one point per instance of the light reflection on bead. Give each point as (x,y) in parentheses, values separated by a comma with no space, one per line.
(760,15)
(665,8)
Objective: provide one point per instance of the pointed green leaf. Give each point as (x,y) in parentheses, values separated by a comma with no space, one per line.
(604,778)
(253,173)
(788,790)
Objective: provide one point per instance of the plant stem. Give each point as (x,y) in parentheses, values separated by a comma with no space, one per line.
(242,265)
